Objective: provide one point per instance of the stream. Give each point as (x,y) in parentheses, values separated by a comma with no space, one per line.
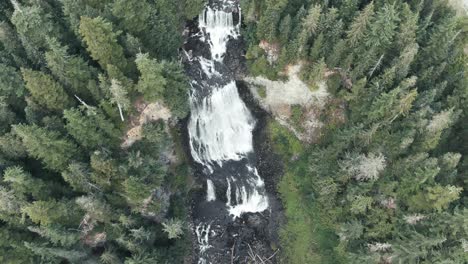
(231,214)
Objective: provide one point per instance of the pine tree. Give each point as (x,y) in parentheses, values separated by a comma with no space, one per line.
(71,70)
(11,85)
(58,236)
(34,25)
(163,39)
(433,131)
(268,24)
(408,28)
(173,228)
(332,28)
(75,9)
(309,27)
(316,50)
(78,175)
(56,254)
(119,97)
(90,128)
(24,184)
(134,14)
(50,212)
(152,82)
(193,8)
(11,146)
(176,90)
(360,25)
(7,116)
(285,29)
(96,208)
(10,205)
(383,29)
(12,249)
(49,146)
(136,192)
(396,103)
(45,90)
(441,40)
(105,170)
(102,42)
(12,44)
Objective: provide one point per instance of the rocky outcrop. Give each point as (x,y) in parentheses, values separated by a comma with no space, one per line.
(279,98)
(147,113)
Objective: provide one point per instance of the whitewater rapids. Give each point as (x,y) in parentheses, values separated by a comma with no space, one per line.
(220,135)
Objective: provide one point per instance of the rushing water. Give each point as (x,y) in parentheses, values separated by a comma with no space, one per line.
(220,131)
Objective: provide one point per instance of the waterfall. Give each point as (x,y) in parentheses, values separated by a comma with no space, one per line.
(219,25)
(220,133)
(220,126)
(210,191)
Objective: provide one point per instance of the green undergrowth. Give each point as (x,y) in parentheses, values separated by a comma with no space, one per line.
(262,91)
(307,236)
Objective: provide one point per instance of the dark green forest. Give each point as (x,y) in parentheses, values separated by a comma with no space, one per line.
(385,182)
(71,72)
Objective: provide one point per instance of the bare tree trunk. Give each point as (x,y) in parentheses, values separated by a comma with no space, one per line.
(120,111)
(16,5)
(377,65)
(81,101)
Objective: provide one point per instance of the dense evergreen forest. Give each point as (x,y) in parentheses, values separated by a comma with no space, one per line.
(71,75)
(384,182)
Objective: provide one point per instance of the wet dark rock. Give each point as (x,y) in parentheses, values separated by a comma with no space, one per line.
(232,240)
(234,58)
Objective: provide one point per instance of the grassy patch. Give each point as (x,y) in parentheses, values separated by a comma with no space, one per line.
(308,236)
(296,117)
(261,90)
(284,142)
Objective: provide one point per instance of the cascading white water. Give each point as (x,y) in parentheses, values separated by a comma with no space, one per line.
(220,126)
(210,191)
(220,129)
(219,25)
(253,202)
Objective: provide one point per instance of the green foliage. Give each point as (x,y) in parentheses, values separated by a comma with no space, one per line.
(392,173)
(57,236)
(45,90)
(134,14)
(24,184)
(72,70)
(155,132)
(50,212)
(49,146)
(152,81)
(176,91)
(173,228)
(11,85)
(68,188)
(136,192)
(119,97)
(102,43)
(193,8)
(261,90)
(90,127)
(283,141)
(360,24)
(386,181)
(34,24)
(54,255)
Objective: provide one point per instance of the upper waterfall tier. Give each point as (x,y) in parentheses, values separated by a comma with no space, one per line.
(218,26)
